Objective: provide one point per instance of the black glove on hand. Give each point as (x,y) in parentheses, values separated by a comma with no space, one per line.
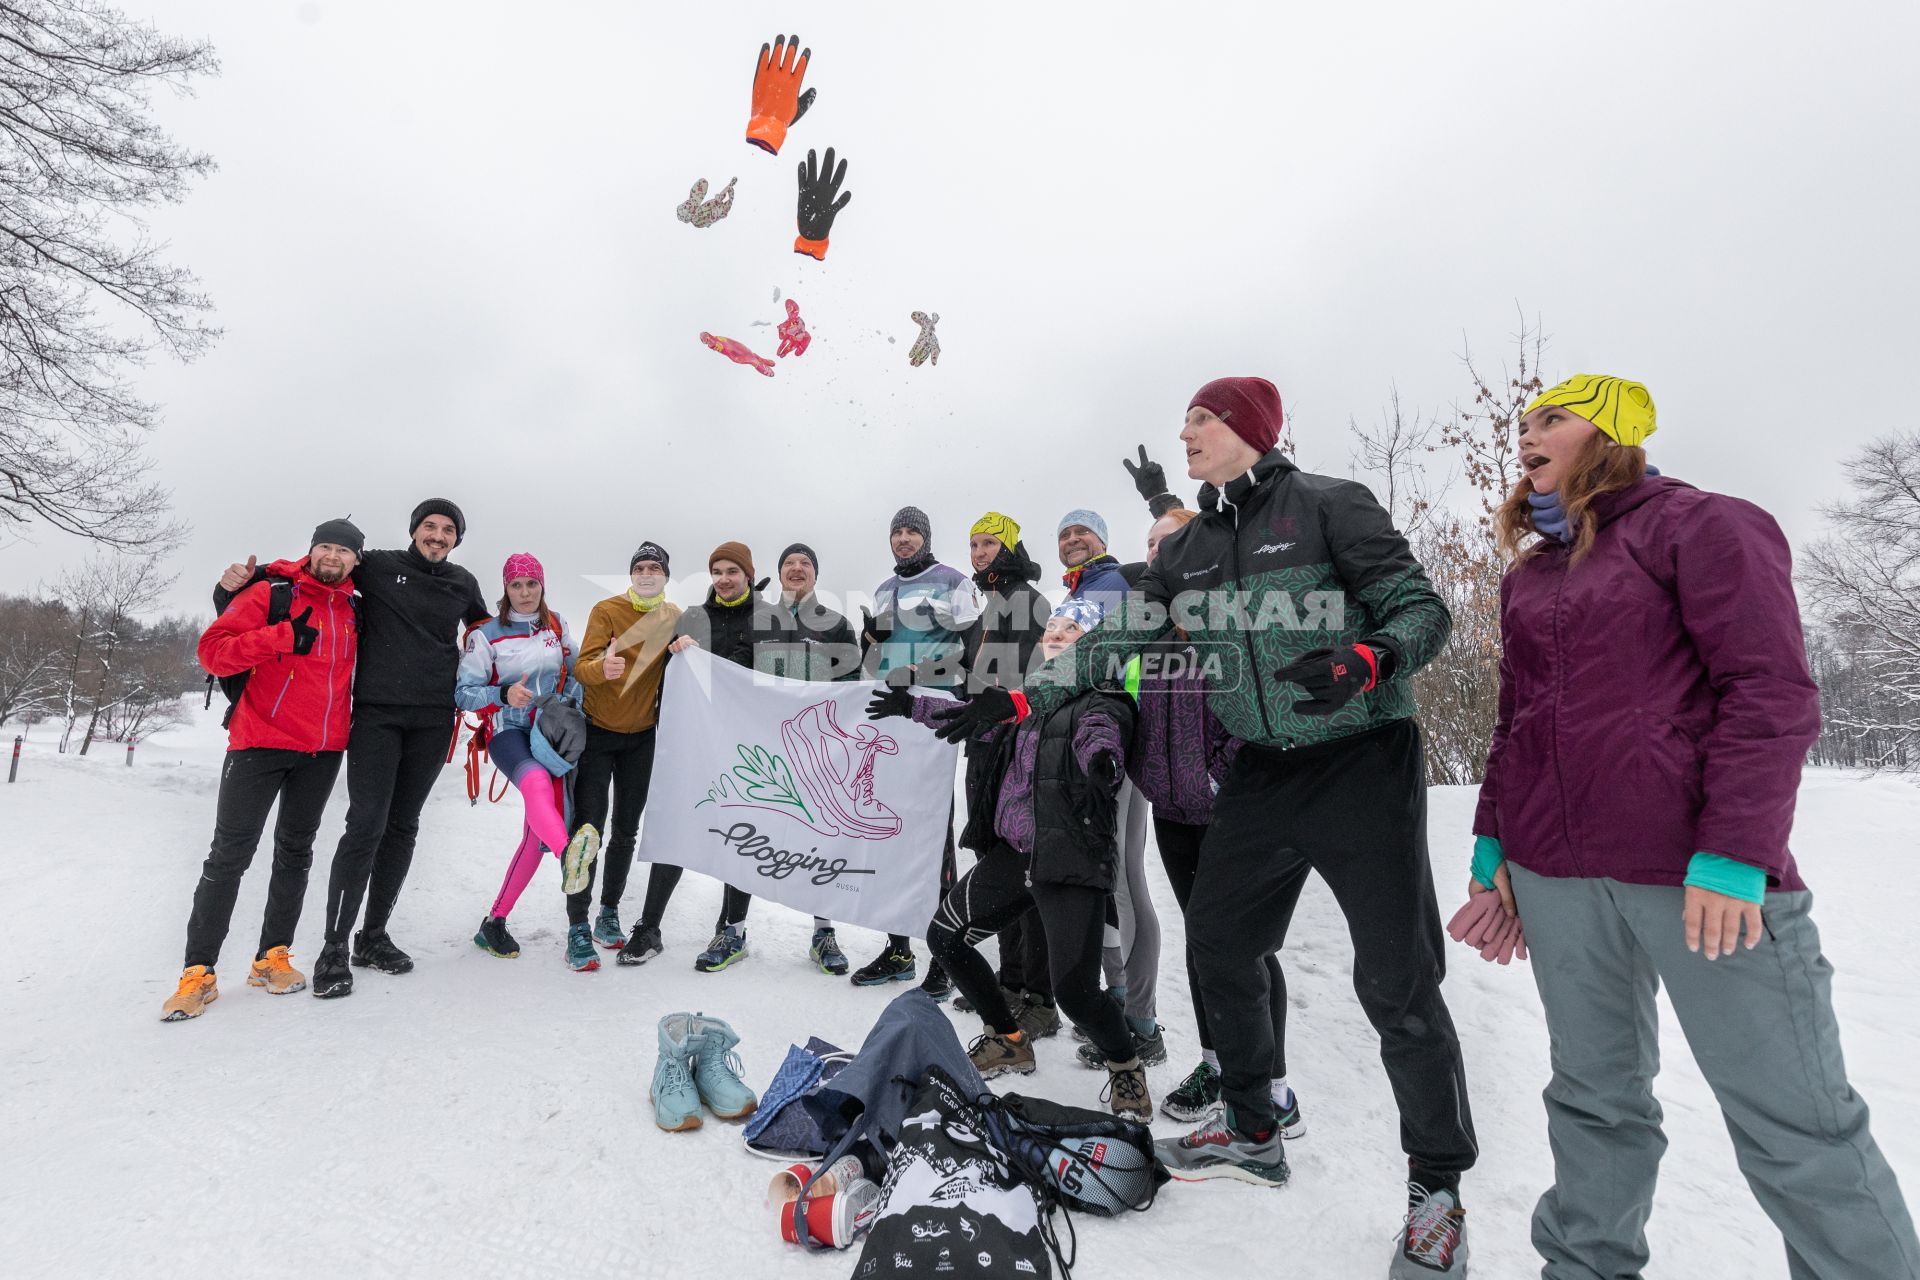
(1099,807)
(1149,477)
(890,702)
(819,185)
(304,635)
(982,711)
(873,632)
(1332,676)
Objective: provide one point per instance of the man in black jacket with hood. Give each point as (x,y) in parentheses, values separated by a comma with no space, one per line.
(413,602)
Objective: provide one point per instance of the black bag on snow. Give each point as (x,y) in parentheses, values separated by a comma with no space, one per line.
(953,1202)
(1094,1161)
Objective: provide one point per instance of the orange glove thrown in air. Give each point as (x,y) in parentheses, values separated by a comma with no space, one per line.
(778,103)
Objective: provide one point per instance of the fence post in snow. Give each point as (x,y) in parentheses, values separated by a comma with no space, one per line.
(14,768)
(129,753)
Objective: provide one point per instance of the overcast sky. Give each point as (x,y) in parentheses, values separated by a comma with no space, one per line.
(442,245)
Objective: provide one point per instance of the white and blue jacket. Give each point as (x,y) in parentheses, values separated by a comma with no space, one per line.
(497,655)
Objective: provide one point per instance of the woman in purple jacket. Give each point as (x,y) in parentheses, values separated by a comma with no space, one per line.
(1655,709)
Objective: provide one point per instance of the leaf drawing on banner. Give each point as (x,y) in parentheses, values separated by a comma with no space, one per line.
(765,777)
(722,789)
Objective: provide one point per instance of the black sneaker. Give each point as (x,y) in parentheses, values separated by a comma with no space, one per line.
(494,939)
(1195,1096)
(331,977)
(643,944)
(939,983)
(1151,1050)
(373,949)
(888,966)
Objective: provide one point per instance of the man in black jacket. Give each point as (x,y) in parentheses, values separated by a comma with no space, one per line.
(1319,614)
(413,602)
(737,626)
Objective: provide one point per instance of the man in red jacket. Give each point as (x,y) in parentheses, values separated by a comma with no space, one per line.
(285,737)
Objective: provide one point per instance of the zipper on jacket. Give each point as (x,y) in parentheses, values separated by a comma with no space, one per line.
(333,660)
(1253,657)
(1559,688)
(282,698)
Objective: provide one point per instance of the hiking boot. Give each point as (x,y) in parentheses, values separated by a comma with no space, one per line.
(494,939)
(1151,1050)
(729,946)
(643,946)
(676,1103)
(826,953)
(939,983)
(888,966)
(581,957)
(276,973)
(1013,998)
(1434,1240)
(996,1055)
(1037,1018)
(576,864)
(331,977)
(1215,1150)
(1195,1096)
(198,988)
(716,1069)
(373,949)
(606,929)
(1126,1091)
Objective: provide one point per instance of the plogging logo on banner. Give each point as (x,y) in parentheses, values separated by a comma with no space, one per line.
(784,789)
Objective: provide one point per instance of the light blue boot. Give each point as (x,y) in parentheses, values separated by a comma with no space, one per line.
(716,1069)
(676,1102)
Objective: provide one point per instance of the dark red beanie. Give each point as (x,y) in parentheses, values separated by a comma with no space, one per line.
(1250,406)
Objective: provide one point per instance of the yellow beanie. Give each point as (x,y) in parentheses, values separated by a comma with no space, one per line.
(1001,527)
(1617,406)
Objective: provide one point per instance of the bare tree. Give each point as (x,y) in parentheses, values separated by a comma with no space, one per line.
(1486,435)
(32,635)
(1862,584)
(157,670)
(79,160)
(106,596)
(1393,452)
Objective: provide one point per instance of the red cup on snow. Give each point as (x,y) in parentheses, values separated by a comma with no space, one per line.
(834,1219)
(786,1184)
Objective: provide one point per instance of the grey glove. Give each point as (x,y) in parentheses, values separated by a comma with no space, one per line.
(563,725)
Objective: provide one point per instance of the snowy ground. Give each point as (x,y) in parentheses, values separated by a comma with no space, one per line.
(490,1117)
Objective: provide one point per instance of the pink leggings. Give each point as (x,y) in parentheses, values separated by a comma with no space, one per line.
(545,825)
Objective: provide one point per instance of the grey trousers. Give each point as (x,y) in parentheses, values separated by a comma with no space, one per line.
(1760,1024)
(1130,950)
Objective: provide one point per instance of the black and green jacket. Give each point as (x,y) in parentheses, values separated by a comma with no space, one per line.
(1280,562)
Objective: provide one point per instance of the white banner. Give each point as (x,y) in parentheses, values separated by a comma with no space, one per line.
(785,789)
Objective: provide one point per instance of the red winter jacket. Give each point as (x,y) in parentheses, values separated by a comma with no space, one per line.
(293,702)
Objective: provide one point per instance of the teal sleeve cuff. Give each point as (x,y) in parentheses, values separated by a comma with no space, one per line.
(1724,875)
(1486,859)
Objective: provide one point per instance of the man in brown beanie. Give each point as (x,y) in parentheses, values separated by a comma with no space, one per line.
(1318,616)
(736,625)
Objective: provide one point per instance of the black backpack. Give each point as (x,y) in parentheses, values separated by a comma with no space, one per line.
(279,609)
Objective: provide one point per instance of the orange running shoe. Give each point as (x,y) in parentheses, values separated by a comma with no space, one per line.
(274,972)
(198,988)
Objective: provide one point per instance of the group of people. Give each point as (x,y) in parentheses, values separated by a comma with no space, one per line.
(1246,691)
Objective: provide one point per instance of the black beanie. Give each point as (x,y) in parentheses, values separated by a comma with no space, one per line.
(440,507)
(804,550)
(649,551)
(341,533)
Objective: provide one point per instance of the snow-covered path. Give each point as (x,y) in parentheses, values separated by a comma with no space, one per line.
(490,1118)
